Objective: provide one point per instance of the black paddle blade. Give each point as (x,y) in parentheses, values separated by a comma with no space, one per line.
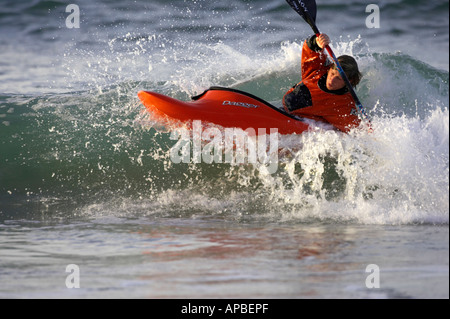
(306,8)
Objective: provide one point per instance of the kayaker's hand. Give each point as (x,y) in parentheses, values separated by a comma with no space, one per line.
(322,40)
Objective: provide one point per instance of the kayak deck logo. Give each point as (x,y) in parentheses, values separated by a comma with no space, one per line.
(243,104)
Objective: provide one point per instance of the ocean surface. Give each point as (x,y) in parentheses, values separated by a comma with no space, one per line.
(91,205)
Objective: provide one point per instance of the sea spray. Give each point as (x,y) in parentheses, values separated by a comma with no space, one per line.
(88,141)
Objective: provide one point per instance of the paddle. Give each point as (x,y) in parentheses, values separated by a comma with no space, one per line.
(308,10)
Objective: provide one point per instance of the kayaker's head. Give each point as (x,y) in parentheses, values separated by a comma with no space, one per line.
(350,67)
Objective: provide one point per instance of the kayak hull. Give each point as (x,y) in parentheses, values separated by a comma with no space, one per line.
(224,107)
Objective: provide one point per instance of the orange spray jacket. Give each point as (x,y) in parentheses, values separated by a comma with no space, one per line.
(311,98)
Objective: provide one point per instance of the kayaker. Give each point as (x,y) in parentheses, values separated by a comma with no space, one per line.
(322,94)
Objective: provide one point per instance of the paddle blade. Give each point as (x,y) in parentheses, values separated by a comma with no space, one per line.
(306,8)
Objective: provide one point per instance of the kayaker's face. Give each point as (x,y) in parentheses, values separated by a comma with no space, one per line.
(334,80)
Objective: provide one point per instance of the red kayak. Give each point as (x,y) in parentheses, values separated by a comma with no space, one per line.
(225,107)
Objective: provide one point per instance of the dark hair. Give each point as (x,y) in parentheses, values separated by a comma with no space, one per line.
(350,68)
